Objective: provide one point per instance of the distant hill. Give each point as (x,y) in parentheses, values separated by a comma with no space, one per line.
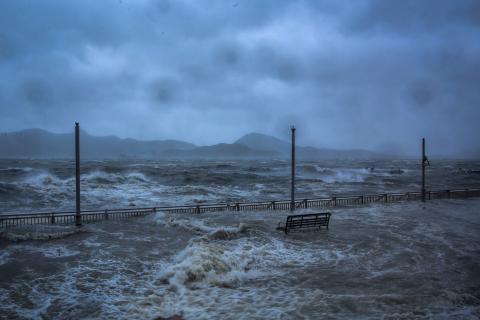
(221,150)
(38,143)
(266,142)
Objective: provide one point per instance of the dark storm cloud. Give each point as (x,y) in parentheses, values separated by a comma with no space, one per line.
(361,74)
(164,90)
(411,16)
(7,49)
(421,94)
(36,92)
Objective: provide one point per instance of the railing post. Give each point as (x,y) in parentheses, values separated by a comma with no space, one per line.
(305,202)
(238,206)
(273,205)
(198,209)
(386,197)
(334,201)
(52,220)
(105,214)
(361,198)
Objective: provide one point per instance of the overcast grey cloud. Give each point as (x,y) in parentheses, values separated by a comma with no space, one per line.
(349,74)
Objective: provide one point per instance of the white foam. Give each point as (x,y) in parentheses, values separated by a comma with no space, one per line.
(44,179)
(202,263)
(228,256)
(137,176)
(96,175)
(242,271)
(91,242)
(192,224)
(330,175)
(56,251)
(47,250)
(4,257)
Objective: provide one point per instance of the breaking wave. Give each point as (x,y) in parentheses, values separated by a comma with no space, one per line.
(229,233)
(199,227)
(4,257)
(45,179)
(209,263)
(343,175)
(96,177)
(50,185)
(103,178)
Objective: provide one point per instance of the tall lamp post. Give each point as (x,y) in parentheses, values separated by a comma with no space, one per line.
(425,163)
(292,203)
(78,218)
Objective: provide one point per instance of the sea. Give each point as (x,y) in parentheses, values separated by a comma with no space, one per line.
(408,260)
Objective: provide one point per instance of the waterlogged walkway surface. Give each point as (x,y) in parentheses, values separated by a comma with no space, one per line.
(397,261)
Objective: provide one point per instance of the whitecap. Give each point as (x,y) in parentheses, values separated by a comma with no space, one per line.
(4,257)
(56,251)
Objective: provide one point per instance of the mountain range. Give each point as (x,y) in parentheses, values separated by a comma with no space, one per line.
(38,143)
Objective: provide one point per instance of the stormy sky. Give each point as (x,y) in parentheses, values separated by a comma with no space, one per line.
(376,74)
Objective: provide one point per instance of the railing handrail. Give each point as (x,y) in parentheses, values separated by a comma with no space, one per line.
(224,204)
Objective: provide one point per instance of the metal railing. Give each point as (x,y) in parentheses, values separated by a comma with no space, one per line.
(19,219)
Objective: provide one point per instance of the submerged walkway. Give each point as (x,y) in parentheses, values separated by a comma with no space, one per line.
(20,219)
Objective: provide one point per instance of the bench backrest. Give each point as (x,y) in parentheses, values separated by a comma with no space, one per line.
(303,221)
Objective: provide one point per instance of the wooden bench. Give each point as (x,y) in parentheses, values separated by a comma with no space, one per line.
(307,221)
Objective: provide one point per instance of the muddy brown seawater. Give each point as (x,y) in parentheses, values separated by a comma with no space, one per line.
(407,260)
(394,261)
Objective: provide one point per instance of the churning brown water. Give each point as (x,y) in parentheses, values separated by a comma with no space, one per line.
(407,260)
